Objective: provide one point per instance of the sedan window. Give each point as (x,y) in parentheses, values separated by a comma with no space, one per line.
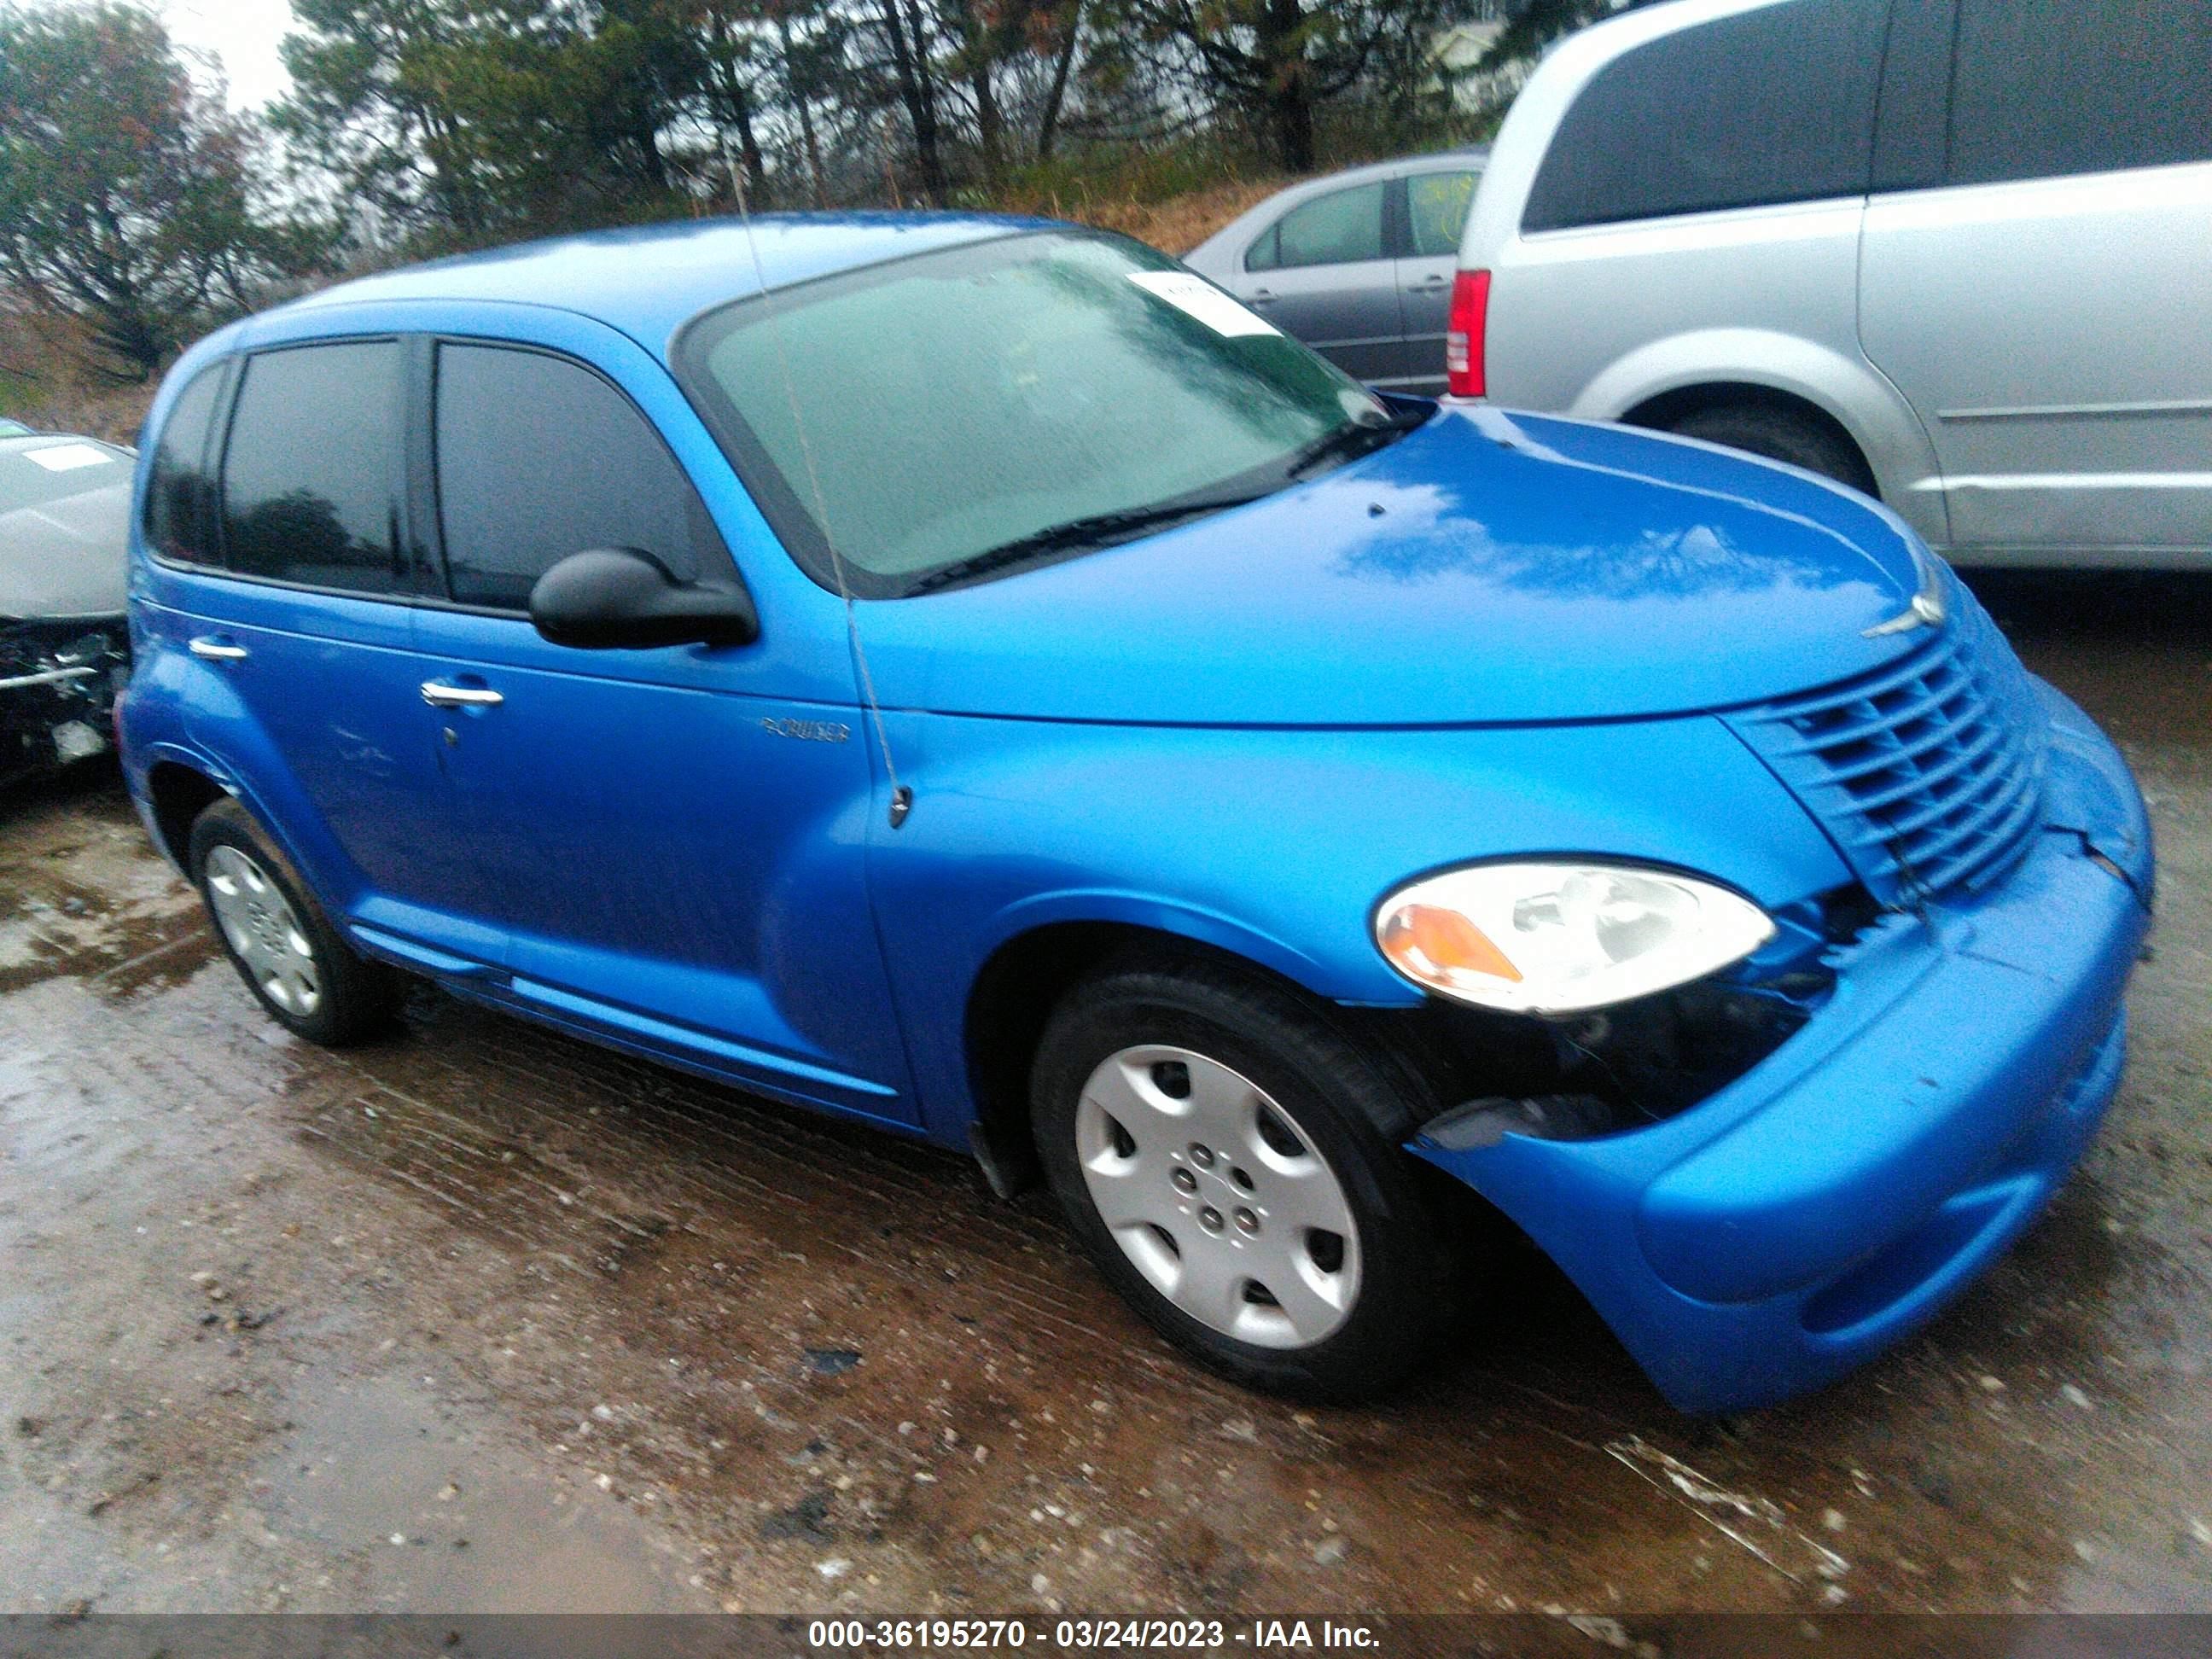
(1338,229)
(1436,208)
(1031,396)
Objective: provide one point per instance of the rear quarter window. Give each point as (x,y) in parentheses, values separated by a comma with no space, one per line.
(1771,105)
(180,493)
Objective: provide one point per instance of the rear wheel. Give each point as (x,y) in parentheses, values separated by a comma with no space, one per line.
(1783,435)
(278,939)
(1229,1157)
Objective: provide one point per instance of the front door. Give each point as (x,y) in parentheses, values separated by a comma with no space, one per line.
(677,852)
(1322,273)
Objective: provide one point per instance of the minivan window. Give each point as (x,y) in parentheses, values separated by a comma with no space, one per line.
(1335,229)
(2042,89)
(1436,211)
(539,457)
(1049,392)
(310,475)
(179,496)
(1770,106)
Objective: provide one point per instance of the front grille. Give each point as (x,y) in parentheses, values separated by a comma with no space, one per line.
(1927,773)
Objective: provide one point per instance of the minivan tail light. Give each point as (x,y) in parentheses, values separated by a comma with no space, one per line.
(1470,315)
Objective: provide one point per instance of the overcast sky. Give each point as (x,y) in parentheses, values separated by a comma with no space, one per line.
(240,35)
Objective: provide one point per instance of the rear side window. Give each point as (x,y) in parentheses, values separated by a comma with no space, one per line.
(2042,88)
(310,475)
(1334,229)
(539,457)
(180,493)
(1436,211)
(1771,105)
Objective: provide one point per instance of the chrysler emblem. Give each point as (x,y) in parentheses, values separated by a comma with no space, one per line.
(1926,610)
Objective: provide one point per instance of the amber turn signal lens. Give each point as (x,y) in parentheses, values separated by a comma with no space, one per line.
(1429,944)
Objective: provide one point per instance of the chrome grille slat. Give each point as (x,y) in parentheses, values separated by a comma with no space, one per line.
(1927,773)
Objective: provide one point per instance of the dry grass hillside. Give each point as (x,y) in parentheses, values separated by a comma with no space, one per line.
(45,380)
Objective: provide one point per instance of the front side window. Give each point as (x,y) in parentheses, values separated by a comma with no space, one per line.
(179,494)
(955,413)
(310,475)
(2042,89)
(539,457)
(1771,105)
(1436,211)
(1335,229)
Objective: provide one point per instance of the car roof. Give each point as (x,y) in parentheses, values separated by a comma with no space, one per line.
(647,280)
(1232,236)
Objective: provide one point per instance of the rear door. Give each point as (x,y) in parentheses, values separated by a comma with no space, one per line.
(2037,280)
(671,836)
(1435,205)
(302,629)
(1324,273)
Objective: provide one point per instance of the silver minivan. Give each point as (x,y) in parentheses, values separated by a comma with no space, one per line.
(1956,252)
(1358,264)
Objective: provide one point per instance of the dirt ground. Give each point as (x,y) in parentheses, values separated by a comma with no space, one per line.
(483,1318)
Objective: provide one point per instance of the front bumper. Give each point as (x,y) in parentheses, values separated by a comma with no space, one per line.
(58,681)
(1834,1197)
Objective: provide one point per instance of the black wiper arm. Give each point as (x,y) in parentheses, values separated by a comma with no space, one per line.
(1096,530)
(1355,438)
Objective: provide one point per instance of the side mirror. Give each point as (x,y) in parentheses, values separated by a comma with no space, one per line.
(617,599)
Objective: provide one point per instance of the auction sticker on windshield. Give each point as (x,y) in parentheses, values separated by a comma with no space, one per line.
(1200,299)
(67,458)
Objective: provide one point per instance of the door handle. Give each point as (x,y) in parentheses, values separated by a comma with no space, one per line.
(1260,297)
(1434,285)
(439,694)
(215,648)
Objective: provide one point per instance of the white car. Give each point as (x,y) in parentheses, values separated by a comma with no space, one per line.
(1956,253)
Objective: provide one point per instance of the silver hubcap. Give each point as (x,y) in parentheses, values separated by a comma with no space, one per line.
(264,931)
(1218,1197)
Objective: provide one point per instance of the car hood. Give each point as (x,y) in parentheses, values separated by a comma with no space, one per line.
(66,557)
(1487,568)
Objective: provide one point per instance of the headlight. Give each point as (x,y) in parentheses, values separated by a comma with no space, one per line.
(1552,939)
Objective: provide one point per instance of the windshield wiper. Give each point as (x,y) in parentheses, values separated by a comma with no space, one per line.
(1096,531)
(1356,438)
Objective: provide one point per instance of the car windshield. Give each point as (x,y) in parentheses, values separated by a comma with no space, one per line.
(34,474)
(961,414)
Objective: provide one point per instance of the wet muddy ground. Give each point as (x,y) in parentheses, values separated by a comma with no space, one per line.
(482,1317)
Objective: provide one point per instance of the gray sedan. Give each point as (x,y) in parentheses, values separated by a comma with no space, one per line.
(64,524)
(1358,264)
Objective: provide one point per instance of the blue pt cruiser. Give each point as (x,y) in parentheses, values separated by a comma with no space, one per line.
(972,676)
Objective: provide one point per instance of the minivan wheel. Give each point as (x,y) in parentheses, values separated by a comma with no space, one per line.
(1229,1157)
(1781,436)
(278,939)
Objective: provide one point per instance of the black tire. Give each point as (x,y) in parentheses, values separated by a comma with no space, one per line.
(1780,434)
(1352,1104)
(355,997)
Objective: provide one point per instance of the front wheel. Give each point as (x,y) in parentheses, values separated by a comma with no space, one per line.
(1229,1159)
